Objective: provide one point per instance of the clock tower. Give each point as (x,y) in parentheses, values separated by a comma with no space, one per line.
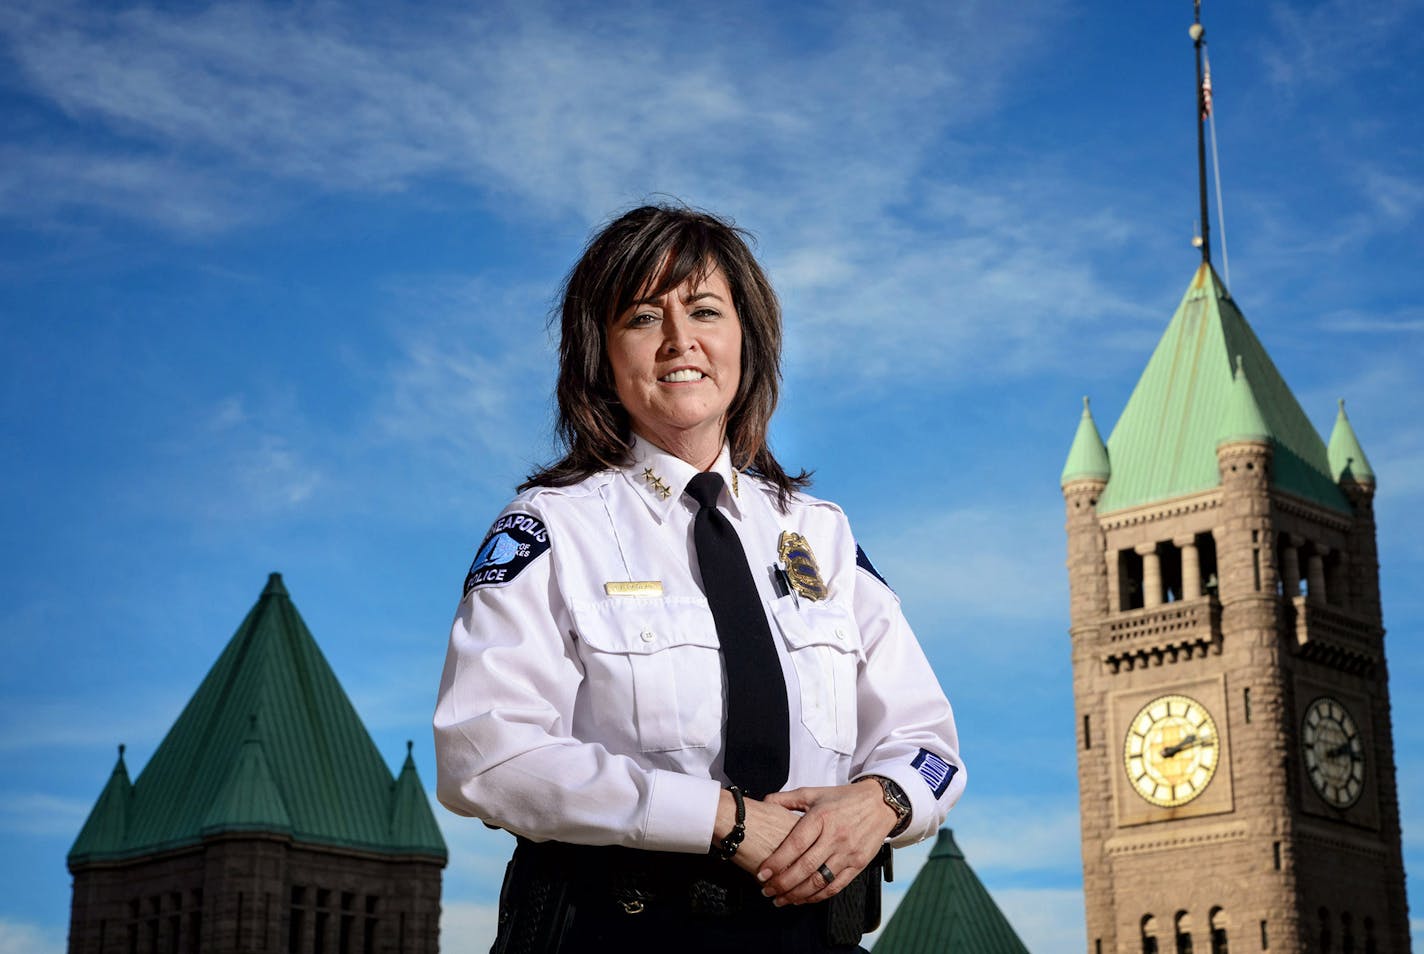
(1235,759)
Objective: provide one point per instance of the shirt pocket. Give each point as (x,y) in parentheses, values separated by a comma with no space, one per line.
(824,644)
(653,666)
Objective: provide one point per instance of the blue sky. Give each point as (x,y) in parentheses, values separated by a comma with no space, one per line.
(275,277)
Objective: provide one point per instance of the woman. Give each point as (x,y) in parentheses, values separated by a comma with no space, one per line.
(669,663)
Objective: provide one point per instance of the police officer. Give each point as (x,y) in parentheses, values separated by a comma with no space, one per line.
(673,675)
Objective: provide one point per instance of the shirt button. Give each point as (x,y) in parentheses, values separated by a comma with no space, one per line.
(648,635)
(840,633)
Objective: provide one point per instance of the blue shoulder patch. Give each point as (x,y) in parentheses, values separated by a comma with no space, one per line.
(515,541)
(863,561)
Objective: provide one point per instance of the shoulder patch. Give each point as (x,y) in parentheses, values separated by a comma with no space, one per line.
(863,561)
(936,772)
(515,541)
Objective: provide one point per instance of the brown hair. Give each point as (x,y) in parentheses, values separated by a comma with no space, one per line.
(646,253)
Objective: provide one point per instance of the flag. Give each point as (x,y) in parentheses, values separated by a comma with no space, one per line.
(1206,91)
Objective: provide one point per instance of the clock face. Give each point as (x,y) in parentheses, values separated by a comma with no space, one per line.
(1334,756)
(1172,750)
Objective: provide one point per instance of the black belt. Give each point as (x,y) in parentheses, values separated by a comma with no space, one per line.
(546,881)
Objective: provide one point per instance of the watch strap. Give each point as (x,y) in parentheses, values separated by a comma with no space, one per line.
(896,798)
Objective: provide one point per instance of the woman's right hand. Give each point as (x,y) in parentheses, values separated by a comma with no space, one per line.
(767,826)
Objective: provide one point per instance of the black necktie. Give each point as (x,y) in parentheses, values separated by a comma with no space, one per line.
(756,752)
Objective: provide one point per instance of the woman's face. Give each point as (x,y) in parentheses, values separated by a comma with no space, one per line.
(677,362)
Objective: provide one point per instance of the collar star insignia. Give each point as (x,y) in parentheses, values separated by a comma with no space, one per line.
(655,483)
(736,489)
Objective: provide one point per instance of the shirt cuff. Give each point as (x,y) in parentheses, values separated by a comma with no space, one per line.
(925,815)
(682,810)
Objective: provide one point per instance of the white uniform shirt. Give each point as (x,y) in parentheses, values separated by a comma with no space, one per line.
(568,713)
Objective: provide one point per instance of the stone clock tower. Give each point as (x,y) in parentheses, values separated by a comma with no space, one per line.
(1235,759)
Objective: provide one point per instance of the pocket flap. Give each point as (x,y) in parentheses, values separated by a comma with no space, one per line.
(641,626)
(816,623)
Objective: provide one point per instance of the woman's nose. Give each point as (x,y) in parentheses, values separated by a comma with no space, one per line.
(677,334)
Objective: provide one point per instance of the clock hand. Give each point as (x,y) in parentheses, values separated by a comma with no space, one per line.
(1190,741)
(1341,749)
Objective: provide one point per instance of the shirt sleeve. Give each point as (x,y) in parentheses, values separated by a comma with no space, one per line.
(906,728)
(505,747)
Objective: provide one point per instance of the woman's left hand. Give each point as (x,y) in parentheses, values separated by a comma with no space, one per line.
(843,827)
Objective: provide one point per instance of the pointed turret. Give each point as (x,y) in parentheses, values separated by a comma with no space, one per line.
(1088,457)
(249,799)
(412,822)
(105,828)
(215,771)
(1347,457)
(1243,420)
(948,909)
(1164,444)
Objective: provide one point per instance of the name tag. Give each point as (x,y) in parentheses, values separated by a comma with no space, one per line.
(634,588)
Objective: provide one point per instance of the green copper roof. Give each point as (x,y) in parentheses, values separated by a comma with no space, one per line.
(1347,457)
(948,909)
(249,798)
(269,742)
(1164,444)
(109,819)
(412,827)
(1243,420)
(1088,457)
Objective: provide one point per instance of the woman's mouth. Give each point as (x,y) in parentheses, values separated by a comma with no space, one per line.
(681,375)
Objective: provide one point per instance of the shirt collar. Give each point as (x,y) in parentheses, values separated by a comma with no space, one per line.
(659,478)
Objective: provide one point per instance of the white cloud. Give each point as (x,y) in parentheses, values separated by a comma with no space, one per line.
(467,926)
(996,550)
(41,813)
(1046,919)
(21,937)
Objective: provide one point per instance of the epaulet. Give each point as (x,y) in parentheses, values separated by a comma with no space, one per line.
(583,488)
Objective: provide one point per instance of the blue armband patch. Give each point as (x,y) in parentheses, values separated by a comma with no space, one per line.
(863,561)
(515,541)
(936,772)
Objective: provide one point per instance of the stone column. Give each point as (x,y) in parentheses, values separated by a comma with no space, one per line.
(1315,574)
(1151,575)
(1191,567)
(1290,565)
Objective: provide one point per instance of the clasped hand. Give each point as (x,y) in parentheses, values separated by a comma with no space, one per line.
(792,834)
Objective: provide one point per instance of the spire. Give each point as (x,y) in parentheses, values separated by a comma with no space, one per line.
(107,825)
(413,824)
(1347,457)
(1243,420)
(249,799)
(947,908)
(1088,457)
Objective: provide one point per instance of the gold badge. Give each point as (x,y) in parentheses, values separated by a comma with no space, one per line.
(801,569)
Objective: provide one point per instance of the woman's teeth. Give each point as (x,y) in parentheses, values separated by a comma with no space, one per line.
(686,374)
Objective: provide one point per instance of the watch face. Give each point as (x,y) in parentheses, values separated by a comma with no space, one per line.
(1172,750)
(1334,757)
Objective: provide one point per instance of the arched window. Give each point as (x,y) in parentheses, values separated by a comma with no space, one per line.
(1325,947)
(1149,934)
(1217,923)
(1347,936)
(1184,932)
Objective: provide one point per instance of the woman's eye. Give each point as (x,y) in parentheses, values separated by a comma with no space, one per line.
(642,320)
(706,313)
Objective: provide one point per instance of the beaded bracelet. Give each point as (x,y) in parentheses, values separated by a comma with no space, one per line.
(727,847)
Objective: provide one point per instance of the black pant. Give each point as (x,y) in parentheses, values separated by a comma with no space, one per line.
(569,899)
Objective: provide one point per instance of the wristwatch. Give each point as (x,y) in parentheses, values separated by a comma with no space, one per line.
(896,798)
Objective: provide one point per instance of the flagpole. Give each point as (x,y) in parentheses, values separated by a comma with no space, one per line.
(1197,34)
